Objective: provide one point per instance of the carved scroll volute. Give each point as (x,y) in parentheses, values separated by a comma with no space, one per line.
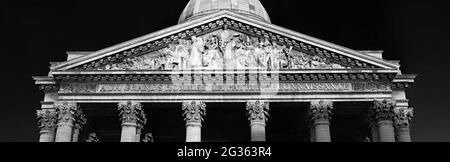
(66,111)
(403,117)
(47,119)
(258,111)
(382,110)
(320,110)
(132,112)
(194,111)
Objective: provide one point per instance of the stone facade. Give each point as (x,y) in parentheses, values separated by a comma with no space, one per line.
(223,56)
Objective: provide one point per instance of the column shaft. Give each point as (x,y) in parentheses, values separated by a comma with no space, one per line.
(75,134)
(64,132)
(386,130)
(47,136)
(193,132)
(322,131)
(312,132)
(128,132)
(138,137)
(403,134)
(258,131)
(375,133)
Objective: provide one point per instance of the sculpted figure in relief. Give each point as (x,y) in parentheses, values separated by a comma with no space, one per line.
(229,54)
(197,49)
(224,49)
(212,59)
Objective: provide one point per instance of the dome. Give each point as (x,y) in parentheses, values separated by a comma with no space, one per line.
(198,8)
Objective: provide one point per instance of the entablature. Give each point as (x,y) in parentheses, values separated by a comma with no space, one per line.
(168,76)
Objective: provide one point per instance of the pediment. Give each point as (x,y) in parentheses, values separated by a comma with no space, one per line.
(224,49)
(225,40)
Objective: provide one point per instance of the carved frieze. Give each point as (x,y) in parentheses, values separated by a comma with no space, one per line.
(382,110)
(245,87)
(320,110)
(132,112)
(77,88)
(47,119)
(194,111)
(258,111)
(223,49)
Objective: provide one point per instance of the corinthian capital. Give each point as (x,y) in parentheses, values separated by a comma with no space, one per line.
(403,117)
(132,112)
(258,111)
(80,119)
(66,111)
(194,111)
(382,110)
(46,119)
(320,110)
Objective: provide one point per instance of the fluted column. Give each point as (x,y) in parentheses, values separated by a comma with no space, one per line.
(47,123)
(193,113)
(258,114)
(66,116)
(320,115)
(131,114)
(382,113)
(403,120)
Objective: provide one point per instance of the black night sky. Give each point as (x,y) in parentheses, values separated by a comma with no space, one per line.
(38,32)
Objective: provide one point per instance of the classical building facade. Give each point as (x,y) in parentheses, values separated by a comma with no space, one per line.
(225,73)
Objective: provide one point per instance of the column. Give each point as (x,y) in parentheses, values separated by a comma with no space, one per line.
(193,113)
(131,114)
(312,133)
(66,115)
(382,113)
(139,132)
(374,131)
(258,114)
(320,115)
(76,132)
(403,120)
(47,123)
(79,122)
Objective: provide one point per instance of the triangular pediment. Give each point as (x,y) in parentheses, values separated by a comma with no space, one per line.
(225,40)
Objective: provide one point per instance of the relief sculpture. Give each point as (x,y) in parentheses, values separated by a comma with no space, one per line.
(224,49)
